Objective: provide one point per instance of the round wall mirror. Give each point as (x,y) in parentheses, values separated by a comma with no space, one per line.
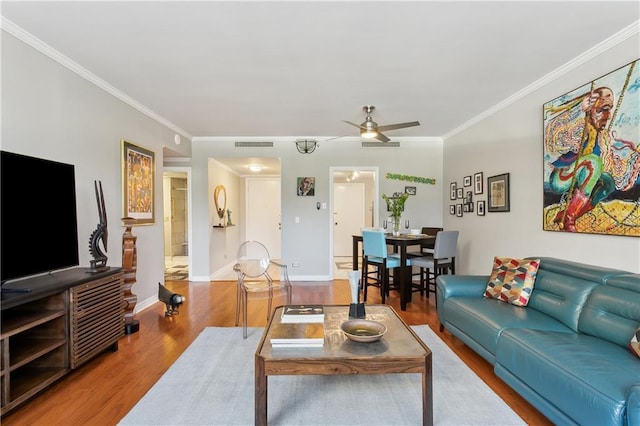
(220,198)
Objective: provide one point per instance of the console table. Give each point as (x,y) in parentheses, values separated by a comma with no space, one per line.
(65,319)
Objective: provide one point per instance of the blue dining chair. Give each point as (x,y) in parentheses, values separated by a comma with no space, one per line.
(374,253)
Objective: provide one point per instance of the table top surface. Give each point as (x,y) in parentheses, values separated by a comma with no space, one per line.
(399,342)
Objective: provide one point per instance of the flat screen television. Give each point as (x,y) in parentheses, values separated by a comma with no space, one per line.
(38,218)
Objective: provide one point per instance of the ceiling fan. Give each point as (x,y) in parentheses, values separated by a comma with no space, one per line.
(369,129)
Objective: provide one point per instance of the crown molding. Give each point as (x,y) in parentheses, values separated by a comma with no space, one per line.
(49,51)
(590,54)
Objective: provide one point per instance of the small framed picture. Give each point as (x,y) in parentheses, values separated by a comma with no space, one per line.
(459,210)
(452,209)
(306,186)
(480,210)
(411,190)
(467,181)
(469,196)
(477,183)
(465,207)
(470,209)
(498,193)
(452,189)
(460,193)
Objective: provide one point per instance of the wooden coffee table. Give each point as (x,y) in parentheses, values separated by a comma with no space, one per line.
(399,351)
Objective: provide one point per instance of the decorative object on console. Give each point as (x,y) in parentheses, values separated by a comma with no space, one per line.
(589,190)
(101,234)
(171,300)
(512,280)
(138,180)
(498,193)
(395,206)
(220,200)
(129,268)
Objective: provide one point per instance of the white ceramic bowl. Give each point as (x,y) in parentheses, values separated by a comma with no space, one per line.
(364,331)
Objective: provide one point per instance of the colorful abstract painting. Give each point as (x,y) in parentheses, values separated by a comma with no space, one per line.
(592,156)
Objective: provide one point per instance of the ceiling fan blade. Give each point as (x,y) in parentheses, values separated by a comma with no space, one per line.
(354,124)
(382,138)
(398,126)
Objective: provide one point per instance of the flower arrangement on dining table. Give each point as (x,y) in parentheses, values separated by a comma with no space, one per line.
(395,205)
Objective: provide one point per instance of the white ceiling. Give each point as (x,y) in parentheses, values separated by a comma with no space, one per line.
(298,68)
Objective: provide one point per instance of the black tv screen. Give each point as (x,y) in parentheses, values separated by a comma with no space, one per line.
(38,219)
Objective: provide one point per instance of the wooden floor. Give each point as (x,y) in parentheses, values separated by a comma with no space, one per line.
(106,388)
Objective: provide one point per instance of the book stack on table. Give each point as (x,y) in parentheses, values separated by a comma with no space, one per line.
(302,313)
(300,327)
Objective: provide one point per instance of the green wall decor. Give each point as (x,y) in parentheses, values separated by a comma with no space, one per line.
(419,179)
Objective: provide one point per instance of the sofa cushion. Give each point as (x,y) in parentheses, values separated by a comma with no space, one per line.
(585,377)
(512,280)
(484,319)
(611,313)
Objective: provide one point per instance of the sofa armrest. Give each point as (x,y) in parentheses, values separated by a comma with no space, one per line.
(461,285)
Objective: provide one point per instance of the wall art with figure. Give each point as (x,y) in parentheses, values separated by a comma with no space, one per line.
(592,156)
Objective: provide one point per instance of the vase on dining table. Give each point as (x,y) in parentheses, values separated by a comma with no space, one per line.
(396,225)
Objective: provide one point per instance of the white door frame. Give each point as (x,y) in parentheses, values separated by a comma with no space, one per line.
(376,191)
(186,170)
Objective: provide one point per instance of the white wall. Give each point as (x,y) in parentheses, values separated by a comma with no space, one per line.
(512,141)
(308,242)
(53,113)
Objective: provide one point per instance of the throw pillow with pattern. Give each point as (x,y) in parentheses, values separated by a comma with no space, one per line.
(512,280)
(634,344)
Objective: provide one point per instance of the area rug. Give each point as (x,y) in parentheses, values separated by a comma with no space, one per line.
(212,383)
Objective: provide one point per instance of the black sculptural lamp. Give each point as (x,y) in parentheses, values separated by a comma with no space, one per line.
(101,234)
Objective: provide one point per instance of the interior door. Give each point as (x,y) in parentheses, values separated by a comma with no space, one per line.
(263,222)
(348,216)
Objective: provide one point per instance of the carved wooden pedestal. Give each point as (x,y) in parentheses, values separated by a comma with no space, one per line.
(129,267)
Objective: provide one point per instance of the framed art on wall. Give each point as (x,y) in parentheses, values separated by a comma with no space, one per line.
(459,210)
(460,193)
(138,180)
(498,190)
(411,190)
(480,210)
(452,191)
(306,186)
(452,209)
(591,159)
(477,183)
(466,181)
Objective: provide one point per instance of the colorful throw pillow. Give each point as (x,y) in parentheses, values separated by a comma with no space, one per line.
(512,280)
(634,344)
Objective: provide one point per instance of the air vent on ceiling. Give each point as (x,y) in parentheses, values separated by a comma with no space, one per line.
(254,144)
(380,144)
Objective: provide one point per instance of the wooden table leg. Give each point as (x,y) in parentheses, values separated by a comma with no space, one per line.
(427,393)
(405,278)
(260,393)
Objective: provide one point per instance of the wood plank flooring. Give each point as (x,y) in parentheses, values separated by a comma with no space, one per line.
(102,391)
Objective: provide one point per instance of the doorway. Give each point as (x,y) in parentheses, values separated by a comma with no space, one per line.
(176,223)
(354,206)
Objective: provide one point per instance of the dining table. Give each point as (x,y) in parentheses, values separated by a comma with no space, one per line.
(400,243)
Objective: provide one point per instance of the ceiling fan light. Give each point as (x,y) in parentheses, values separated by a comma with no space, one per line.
(368,134)
(255,167)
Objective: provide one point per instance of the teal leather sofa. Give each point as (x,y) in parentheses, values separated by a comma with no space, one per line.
(567,352)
